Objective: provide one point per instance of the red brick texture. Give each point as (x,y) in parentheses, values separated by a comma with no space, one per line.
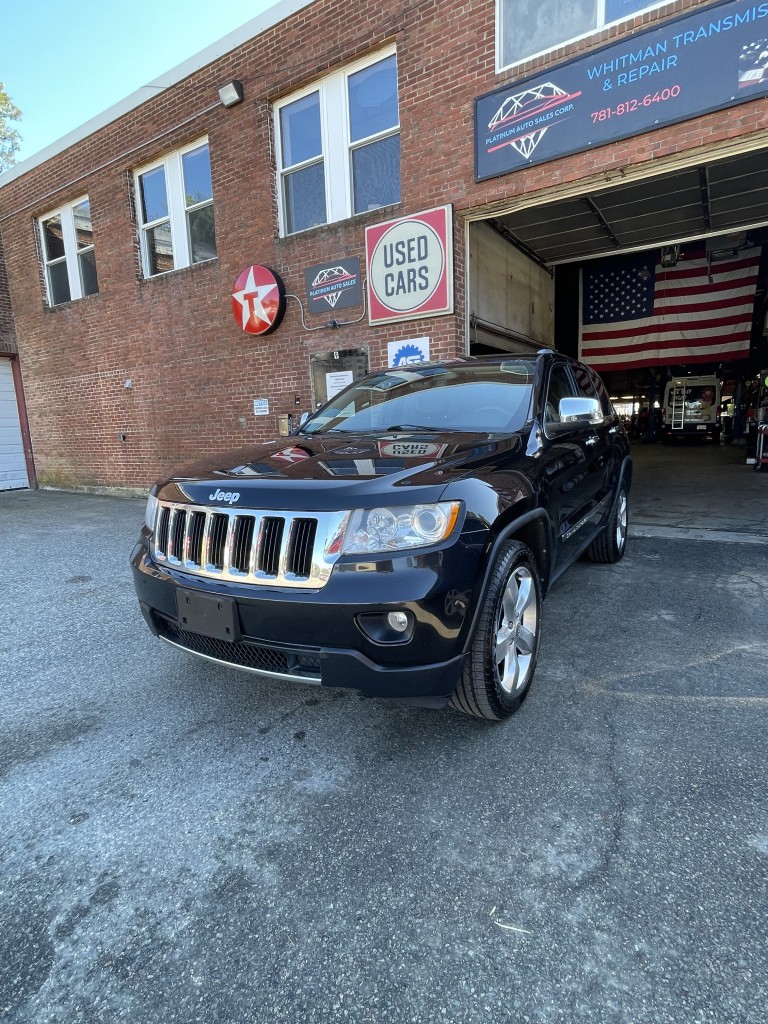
(7,332)
(194,372)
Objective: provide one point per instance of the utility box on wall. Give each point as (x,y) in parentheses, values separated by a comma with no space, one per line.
(333,371)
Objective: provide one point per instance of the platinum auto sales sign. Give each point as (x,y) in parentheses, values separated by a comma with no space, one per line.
(410,266)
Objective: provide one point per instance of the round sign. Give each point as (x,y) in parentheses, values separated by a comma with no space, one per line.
(258,300)
(407,266)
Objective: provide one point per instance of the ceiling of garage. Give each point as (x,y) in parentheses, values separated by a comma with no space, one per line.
(712,198)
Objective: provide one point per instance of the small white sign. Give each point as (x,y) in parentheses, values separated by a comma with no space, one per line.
(406,353)
(261,407)
(337,381)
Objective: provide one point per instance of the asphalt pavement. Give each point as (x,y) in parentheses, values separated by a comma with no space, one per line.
(185,843)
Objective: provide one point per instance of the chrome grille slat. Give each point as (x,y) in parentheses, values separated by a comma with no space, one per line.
(241,548)
(300,547)
(204,556)
(194,553)
(253,561)
(269,562)
(217,542)
(162,528)
(274,548)
(176,533)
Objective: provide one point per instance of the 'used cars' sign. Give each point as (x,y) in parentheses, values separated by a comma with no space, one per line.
(410,266)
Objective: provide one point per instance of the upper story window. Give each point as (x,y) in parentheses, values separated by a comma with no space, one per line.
(527,28)
(339,146)
(68,253)
(175,201)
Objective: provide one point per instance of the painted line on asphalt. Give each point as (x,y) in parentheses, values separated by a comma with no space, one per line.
(689,533)
(713,700)
(603,687)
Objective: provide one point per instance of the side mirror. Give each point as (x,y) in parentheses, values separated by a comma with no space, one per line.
(576,412)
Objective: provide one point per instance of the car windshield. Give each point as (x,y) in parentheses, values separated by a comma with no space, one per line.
(476,397)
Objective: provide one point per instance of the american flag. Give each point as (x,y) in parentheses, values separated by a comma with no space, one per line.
(634,312)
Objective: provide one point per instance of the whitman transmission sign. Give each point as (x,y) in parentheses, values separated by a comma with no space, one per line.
(708,60)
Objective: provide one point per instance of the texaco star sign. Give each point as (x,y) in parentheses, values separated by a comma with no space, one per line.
(258,300)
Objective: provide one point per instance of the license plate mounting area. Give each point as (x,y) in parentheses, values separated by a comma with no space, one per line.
(211,615)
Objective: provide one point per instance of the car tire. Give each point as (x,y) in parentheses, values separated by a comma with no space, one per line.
(611,543)
(505,646)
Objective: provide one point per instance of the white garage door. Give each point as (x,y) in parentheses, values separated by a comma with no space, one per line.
(13,468)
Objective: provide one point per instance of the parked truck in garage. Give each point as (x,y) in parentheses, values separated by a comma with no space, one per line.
(691,408)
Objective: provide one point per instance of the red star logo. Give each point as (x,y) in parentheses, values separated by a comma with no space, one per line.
(258,300)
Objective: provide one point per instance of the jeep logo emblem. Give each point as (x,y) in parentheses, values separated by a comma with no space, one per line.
(230,497)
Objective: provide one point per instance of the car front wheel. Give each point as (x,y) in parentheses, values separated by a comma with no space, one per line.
(505,647)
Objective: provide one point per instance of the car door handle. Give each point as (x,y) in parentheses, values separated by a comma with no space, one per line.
(592,439)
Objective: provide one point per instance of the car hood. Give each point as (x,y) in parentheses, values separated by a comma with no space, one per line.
(338,470)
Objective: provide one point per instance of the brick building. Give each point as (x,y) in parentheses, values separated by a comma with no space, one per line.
(123,241)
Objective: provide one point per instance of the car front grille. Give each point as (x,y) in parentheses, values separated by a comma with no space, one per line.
(284,549)
(271,661)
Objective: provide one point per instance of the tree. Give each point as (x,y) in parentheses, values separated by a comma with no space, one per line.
(10,140)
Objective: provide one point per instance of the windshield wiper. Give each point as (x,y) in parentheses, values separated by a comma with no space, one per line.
(414,427)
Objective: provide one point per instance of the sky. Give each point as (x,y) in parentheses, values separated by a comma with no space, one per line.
(64,62)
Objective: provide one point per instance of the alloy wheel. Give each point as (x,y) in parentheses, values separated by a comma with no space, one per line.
(514,643)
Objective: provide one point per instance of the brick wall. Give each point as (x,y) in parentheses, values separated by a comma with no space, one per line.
(7,331)
(194,373)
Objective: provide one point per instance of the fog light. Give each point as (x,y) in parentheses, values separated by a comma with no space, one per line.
(398,621)
(386,627)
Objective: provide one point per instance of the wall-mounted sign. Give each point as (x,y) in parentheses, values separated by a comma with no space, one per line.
(334,285)
(405,353)
(261,407)
(410,266)
(712,58)
(336,381)
(258,300)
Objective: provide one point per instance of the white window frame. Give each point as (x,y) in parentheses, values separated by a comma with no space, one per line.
(337,148)
(177,209)
(72,253)
(601,24)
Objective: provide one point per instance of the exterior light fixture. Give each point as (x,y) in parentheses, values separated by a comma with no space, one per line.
(670,255)
(232,93)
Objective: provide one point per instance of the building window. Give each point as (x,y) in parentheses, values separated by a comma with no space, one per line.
(339,146)
(176,211)
(68,253)
(528,28)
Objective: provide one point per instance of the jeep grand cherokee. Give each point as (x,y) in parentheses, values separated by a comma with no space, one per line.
(401,541)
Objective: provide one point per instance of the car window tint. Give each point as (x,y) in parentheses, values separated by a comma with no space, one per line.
(585,383)
(560,386)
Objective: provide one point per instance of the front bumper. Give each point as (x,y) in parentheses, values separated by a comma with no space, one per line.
(314,636)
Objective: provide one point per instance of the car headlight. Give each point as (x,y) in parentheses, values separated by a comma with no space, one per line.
(150,512)
(399,528)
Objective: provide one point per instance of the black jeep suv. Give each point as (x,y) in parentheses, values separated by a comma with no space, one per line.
(400,542)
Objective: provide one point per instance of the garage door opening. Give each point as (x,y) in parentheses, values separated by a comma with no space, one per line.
(661,284)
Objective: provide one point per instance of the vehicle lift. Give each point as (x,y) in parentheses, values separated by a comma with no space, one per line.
(761,448)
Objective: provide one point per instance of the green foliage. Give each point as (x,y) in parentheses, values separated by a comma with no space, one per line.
(10,140)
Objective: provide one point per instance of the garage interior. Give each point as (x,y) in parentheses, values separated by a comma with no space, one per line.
(525,292)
